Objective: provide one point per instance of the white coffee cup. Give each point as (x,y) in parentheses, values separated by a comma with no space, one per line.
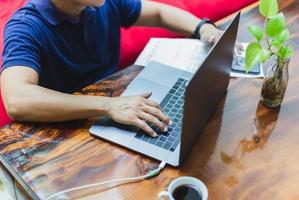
(185,180)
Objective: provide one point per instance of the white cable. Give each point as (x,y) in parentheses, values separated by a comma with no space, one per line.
(137,178)
(162,165)
(97,184)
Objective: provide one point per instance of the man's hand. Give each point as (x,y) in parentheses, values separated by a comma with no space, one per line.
(211,34)
(137,110)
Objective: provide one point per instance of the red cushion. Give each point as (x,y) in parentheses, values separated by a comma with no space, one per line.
(7,8)
(215,9)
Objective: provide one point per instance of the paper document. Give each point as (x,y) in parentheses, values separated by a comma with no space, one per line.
(185,54)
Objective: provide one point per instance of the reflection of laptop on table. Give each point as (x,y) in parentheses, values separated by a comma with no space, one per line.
(188,99)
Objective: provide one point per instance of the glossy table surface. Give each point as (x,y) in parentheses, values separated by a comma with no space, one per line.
(246,151)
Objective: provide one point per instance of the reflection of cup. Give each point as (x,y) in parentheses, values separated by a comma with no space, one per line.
(187,188)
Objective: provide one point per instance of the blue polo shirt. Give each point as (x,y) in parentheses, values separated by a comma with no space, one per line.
(67,54)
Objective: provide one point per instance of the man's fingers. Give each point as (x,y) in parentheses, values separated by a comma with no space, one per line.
(209,39)
(205,39)
(152,103)
(146,95)
(157,113)
(153,120)
(145,127)
(213,39)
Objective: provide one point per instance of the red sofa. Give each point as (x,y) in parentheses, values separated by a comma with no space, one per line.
(134,39)
(7,8)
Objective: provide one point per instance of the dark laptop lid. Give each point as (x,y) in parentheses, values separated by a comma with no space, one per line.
(207,87)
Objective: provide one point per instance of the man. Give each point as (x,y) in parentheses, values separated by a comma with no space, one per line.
(55,47)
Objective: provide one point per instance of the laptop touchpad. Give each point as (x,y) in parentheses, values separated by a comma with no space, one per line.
(140,86)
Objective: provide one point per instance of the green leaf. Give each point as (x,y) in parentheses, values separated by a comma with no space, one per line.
(268,8)
(276,25)
(252,55)
(285,52)
(257,32)
(283,36)
(276,44)
(264,55)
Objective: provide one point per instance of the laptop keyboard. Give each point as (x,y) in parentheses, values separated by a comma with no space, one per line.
(172,106)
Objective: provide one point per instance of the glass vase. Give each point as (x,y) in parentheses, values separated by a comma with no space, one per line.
(275,83)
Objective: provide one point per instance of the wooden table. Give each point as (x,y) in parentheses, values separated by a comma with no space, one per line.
(245,152)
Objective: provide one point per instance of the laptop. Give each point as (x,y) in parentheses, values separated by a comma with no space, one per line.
(188,99)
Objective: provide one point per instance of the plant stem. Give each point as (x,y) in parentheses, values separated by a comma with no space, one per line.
(267,39)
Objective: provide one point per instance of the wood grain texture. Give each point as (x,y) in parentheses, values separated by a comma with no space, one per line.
(246,151)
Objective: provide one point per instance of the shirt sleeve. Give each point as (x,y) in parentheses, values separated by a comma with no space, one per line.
(129,11)
(20,46)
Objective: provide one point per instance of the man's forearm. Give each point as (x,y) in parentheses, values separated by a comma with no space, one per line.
(177,20)
(39,104)
(174,19)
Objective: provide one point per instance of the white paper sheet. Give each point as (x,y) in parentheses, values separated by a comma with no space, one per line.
(185,54)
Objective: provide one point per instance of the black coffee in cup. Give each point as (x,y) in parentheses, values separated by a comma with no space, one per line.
(186,192)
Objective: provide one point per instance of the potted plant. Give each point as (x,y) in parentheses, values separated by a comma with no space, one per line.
(270,45)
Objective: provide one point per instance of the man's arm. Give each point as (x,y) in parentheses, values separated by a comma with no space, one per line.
(177,20)
(24,100)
